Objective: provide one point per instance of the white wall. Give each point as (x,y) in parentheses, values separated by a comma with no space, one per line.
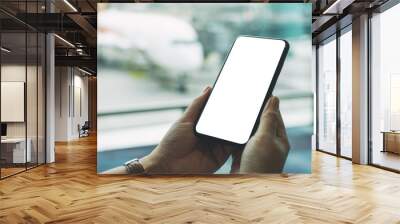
(62,82)
(81,100)
(17,73)
(70,83)
(12,73)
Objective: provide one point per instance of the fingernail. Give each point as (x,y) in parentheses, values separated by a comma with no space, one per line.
(274,104)
(205,89)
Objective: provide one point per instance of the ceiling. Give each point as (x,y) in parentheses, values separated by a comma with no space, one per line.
(74,22)
(332,15)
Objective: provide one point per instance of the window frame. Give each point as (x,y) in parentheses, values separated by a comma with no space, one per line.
(333,37)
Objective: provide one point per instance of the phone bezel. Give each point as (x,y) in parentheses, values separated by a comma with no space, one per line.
(266,97)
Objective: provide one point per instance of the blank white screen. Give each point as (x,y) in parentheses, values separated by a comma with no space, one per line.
(237,96)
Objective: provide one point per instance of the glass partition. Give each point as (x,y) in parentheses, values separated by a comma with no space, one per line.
(31,99)
(14,153)
(33,57)
(22,92)
(41,109)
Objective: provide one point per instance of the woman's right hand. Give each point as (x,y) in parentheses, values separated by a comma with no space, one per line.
(267,149)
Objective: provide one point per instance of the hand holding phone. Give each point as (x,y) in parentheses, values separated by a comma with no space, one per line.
(244,85)
(242,88)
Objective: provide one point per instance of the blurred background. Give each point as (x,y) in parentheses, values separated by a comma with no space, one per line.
(153,59)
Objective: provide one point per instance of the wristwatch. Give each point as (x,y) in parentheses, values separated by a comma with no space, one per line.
(134,167)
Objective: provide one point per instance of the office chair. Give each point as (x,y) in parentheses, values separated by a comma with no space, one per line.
(84,130)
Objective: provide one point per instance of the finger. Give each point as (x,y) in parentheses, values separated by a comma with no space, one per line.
(269,117)
(193,111)
(236,158)
(281,130)
(217,152)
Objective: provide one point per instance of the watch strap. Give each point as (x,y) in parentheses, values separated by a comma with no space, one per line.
(134,167)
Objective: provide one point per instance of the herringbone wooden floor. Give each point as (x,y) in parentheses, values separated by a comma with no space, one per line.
(70,191)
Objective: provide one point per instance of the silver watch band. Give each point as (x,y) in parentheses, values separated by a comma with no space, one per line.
(134,167)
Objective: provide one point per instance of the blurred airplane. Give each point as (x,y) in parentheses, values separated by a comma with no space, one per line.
(162,46)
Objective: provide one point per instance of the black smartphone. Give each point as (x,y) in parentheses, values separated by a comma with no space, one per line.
(242,88)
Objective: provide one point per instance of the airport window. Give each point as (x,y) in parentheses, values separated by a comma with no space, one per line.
(385,89)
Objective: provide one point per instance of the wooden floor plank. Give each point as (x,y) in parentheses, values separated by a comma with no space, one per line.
(70,191)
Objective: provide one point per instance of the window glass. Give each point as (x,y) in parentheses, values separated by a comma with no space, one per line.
(327,96)
(31,100)
(345,94)
(41,79)
(15,149)
(22,90)
(385,84)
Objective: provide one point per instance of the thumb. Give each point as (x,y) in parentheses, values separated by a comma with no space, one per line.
(193,110)
(269,117)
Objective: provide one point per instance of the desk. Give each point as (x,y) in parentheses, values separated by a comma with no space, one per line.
(13,150)
(391,141)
